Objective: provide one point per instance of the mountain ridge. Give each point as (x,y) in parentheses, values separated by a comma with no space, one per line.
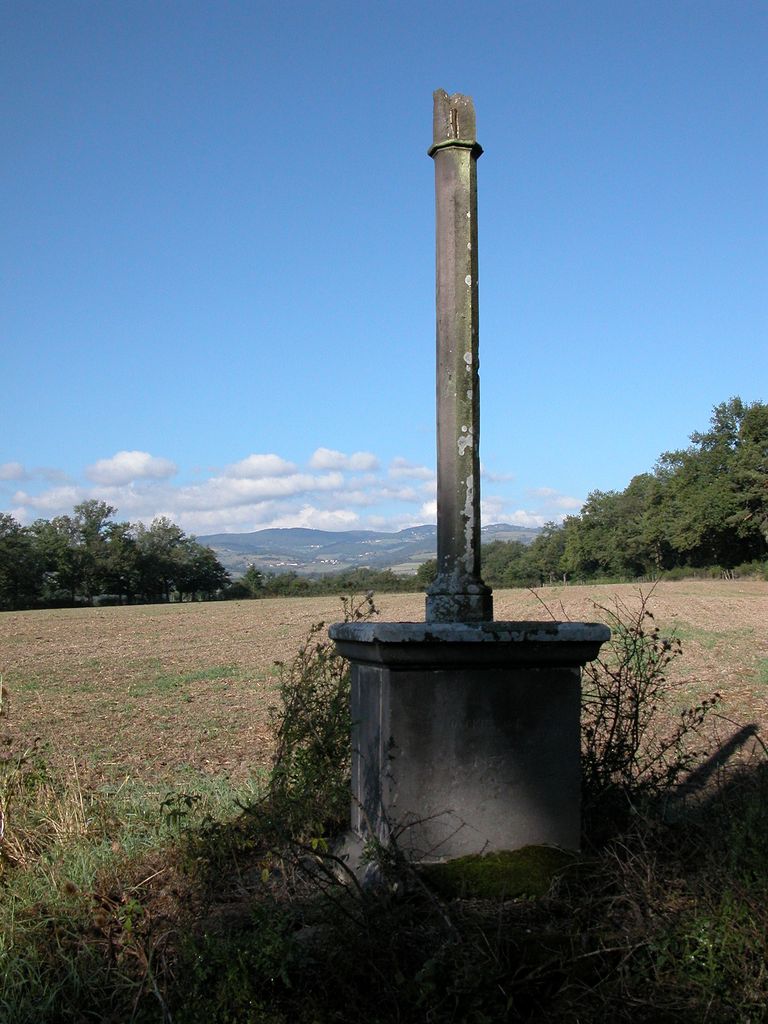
(318,552)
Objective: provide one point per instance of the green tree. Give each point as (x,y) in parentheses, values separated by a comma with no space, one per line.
(91,522)
(544,558)
(426,574)
(749,474)
(158,557)
(705,505)
(716,490)
(507,564)
(658,524)
(21,568)
(591,547)
(254,581)
(56,543)
(286,584)
(121,565)
(198,572)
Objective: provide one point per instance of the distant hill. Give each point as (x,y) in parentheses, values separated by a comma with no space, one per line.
(323,551)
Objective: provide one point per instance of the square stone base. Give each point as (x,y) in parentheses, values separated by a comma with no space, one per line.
(466,740)
(463,761)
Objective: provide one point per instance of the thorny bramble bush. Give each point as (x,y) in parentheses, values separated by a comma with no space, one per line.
(635,746)
(311,765)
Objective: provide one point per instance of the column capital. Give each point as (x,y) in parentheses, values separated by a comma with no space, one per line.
(453,123)
(475,148)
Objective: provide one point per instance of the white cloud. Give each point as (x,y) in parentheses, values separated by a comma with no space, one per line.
(408,494)
(219,503)
(522,517)
(266,515)
(492,510)
(16,472)
(428,512)
(375,494)
(123,467)
(358,497)
(255,466)
(554,499)
(313,518)
(13,471)
(221,492)
(235,519)
(359,461)
(401,468)
(53,502)
(570,504)
(327,458)
(393,523)
(340,491)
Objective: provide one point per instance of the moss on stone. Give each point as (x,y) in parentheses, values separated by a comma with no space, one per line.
(505,873)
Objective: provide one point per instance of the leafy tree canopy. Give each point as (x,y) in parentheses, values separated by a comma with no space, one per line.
(704,506)
(85,556)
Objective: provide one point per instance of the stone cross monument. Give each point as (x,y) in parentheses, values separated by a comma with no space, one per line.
(465,730)
(458,594)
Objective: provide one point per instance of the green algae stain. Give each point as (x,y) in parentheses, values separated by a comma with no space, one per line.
(504,874)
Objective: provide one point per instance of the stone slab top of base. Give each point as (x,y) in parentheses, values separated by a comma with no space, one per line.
(467,644)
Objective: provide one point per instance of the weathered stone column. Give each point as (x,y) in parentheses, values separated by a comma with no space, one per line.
(458,594)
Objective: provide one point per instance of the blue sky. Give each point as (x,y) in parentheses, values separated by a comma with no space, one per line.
(217,279)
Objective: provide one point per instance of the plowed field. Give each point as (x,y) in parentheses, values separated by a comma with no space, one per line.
(166,692)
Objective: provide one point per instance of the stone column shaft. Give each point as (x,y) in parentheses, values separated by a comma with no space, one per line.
(458,594)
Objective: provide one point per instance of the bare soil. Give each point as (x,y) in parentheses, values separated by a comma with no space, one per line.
(163,693)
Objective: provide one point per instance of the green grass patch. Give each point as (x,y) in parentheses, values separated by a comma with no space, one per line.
(706,638)
(502,875)
(166,683)
(81,867)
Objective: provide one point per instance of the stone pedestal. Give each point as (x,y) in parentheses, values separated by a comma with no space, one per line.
(466,736)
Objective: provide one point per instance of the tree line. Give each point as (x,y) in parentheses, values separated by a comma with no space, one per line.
(255,583)
(87,557)
(703,509)
(74,559)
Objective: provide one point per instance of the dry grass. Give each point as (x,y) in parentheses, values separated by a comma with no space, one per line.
(159,692)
